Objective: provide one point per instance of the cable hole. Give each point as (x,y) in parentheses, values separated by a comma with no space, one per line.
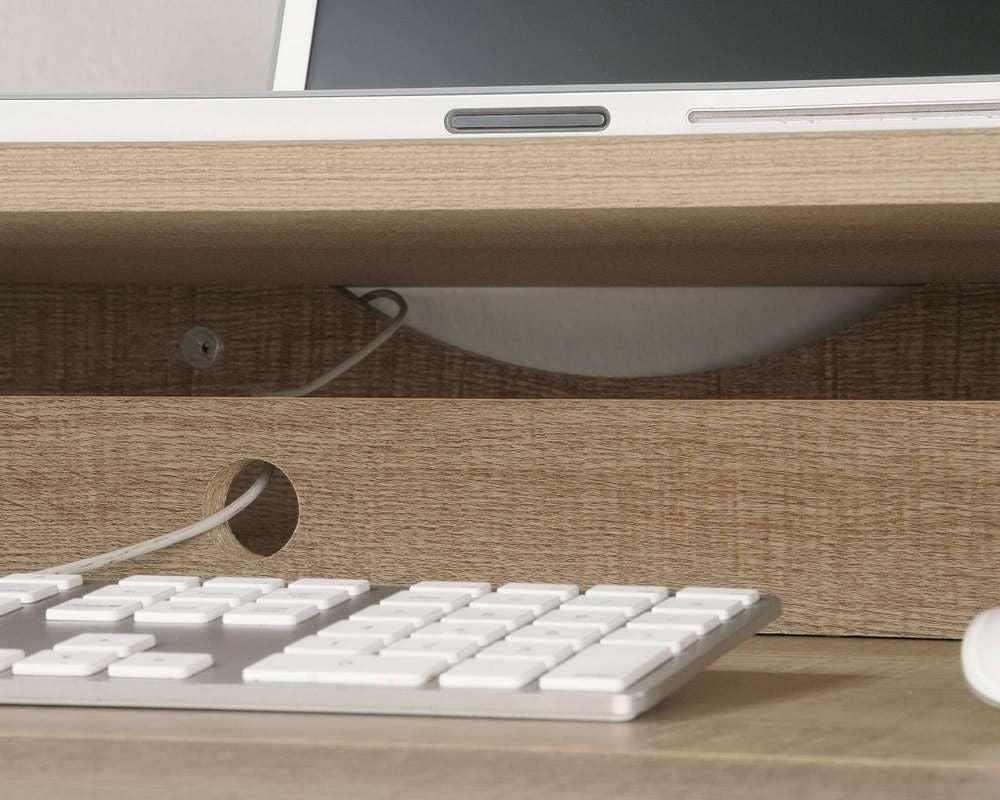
(269,523)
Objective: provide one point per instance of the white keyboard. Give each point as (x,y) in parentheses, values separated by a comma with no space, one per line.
(529,650)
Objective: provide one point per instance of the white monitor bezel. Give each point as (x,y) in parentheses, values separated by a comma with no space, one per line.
(290,113)
(295,33)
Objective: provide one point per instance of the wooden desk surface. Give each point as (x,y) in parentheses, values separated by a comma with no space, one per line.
(780,717)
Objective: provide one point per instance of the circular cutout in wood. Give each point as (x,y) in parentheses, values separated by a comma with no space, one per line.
(269,523)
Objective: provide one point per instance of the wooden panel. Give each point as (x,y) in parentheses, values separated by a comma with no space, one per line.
(867,518)
(939,343)
(780,718)
(716,247)
(927,168)
(900,207)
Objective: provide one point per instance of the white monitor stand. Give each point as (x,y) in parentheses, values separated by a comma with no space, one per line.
(637,332)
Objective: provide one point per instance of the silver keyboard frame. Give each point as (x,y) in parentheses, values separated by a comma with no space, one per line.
(222,688)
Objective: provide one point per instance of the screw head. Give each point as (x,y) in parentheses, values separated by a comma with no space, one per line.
(201,347)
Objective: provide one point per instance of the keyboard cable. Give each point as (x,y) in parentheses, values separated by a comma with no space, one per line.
(260,484)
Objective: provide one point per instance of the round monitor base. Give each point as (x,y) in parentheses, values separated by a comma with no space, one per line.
(636,332)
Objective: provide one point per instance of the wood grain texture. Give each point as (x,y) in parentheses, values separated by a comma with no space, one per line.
(904,207)
(538,249)
(865,517)
(835,169)
(938,343)
(780,718)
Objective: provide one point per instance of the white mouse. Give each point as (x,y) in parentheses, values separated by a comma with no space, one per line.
(981,656)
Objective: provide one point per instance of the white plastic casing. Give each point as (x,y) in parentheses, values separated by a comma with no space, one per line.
(636,111)
(981,656)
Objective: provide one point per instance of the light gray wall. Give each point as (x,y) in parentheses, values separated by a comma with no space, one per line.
(72,46)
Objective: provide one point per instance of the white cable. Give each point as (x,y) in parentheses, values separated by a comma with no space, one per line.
(174,537)
(258,486)
(383,336)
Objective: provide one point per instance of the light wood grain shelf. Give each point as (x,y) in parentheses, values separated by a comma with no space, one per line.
(781,209)
(891,505)
(871,518)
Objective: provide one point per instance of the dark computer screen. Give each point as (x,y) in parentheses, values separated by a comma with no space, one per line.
(398,44)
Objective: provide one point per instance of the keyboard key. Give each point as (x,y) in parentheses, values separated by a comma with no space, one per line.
(262,585)
(452,650)
(26,593)
(352,586)
(564,591)
(336,645)
(603,621)
(654,594)
(54,663)
(177,613)
(629,606)
(145,595)
(417,616)
(8,657)
(482,633)
(674,638)
(84,610)
(214,595)
(345,670)
(605,668)
(161,665)
(176,582)
(321,599)
(387,632)
(576,637)
(472,589)
(745,597)
(548,653)
(446,602)
(61,581)
(699,624)
(723,609)
(481,673)
(510,618)
(9,604)
(261,615)
(118,644)
(537,603)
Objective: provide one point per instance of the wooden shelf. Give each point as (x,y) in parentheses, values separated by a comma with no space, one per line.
(871,518)
(862,515)
(779,718)
(780,209)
